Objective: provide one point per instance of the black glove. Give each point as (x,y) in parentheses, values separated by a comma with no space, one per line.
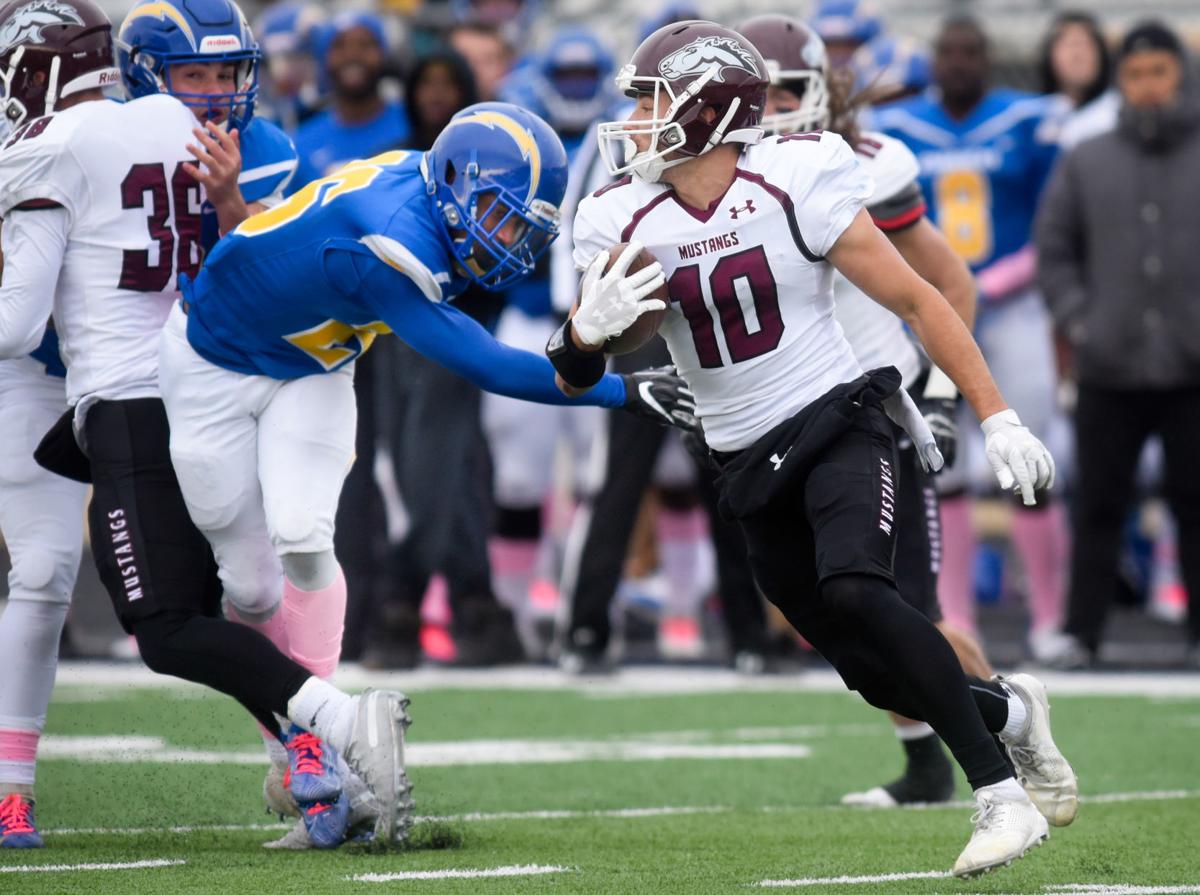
(658,394)
(941,415)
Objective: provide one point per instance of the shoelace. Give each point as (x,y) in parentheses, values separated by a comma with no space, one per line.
(984,815)
(15,815)
(307,749)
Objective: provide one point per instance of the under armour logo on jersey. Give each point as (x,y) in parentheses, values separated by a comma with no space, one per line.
(704,52)
(28,23)
(735,210)
(778,460)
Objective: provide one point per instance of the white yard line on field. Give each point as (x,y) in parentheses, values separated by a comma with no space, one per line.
(851,880)
(630,681)
(513,870)
(69,868)
(156,750)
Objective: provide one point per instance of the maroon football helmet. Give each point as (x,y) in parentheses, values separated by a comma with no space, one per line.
(796,61)
(50,49)
(693,65)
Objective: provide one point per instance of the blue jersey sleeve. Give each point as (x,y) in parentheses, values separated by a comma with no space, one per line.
(268,160)
(445,334)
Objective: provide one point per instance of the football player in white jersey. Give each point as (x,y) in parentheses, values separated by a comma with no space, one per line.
(802,98)
(101,217)
(749,232)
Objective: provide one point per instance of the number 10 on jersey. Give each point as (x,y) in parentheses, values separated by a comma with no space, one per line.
(750,267)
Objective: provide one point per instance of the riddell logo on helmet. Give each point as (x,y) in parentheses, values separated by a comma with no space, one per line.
(219,43)
(27,23)
(704,52)
(109,77)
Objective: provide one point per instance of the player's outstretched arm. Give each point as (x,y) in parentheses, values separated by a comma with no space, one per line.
(866,258)
(445,334)
(34,243)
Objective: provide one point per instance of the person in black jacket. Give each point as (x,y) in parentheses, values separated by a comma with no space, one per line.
(1116,235)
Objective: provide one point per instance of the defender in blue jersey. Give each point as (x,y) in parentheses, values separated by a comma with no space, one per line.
(984,156)
(204,54)
(257,361)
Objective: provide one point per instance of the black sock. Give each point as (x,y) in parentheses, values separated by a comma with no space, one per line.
(924,753)
(928,775)
(992,700)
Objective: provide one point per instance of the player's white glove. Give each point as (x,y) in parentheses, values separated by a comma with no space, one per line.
(611,302)
(1020,461)
(902,411)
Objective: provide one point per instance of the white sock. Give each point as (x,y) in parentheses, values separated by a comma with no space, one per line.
(323,709)
(1017,714)
(913,731)
(1007,789)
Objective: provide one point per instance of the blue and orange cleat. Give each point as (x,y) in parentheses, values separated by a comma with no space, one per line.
(16,823)
(312,777)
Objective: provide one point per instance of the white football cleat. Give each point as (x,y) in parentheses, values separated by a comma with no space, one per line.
(876,797)
(1005,829)
(1041,768)
(376,754)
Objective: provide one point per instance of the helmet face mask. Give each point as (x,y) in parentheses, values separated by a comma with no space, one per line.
(685,68)
(497,240)
(227,108)
(664,131)
(812,111)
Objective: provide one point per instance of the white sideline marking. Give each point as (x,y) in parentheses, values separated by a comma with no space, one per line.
(149,749)
(569,814)
(513,870)
(852,880)
(628,681)
(64,868)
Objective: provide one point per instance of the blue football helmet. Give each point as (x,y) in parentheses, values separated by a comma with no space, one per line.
(573,79)
(853,21)
(496,177)
(895,65)
(162,33)
(288,28)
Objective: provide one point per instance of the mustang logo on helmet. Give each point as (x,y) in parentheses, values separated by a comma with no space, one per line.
(703,52)
(27,23)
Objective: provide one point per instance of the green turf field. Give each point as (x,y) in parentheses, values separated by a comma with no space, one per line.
(605,792)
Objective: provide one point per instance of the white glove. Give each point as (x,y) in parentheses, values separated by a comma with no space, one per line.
(611,302)
(1020,461)
(903,411)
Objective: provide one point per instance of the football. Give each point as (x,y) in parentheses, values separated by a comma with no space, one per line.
(646,326)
